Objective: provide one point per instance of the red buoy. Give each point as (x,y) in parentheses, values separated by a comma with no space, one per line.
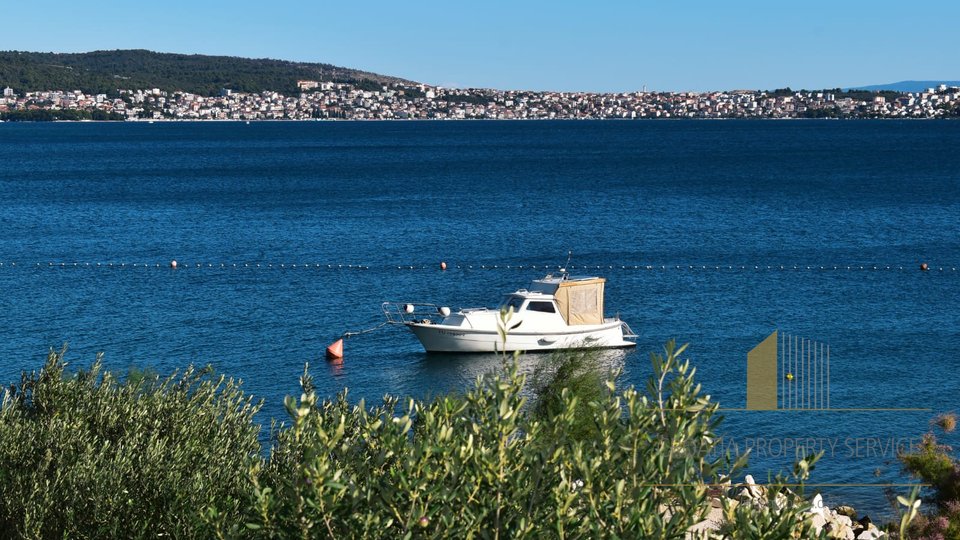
(924,267)
(335,350)
(443,265)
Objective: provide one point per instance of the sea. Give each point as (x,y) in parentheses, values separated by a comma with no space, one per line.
(713,233)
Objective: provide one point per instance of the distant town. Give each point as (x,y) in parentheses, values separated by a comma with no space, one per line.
(396,101)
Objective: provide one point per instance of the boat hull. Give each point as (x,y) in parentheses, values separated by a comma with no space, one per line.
(446,338)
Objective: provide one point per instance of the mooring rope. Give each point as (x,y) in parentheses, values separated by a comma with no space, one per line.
(367,331)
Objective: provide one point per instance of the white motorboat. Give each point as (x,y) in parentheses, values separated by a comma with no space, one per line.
(556,312)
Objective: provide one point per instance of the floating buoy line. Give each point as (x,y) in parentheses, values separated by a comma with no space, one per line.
(334,353)
(443,266)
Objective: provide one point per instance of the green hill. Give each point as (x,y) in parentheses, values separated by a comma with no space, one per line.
(107,71)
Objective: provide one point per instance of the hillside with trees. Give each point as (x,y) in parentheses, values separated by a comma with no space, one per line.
(103,72)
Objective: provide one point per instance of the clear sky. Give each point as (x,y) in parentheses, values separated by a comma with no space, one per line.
(530,44)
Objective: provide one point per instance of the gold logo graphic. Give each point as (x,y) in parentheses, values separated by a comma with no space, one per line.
(786,372)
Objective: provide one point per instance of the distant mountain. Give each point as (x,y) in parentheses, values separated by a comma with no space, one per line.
(906,86)
(106,71)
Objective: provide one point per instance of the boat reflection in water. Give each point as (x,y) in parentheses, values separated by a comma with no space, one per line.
(454,370)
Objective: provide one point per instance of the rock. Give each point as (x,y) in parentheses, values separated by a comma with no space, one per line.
(818,513)
(816,505)
(845,529)
(846,511)
(780,501)
(818,522)
(839,527)
(839,523)
(752,490)
(871,533)
(711,523)
(843,532)
(721,487)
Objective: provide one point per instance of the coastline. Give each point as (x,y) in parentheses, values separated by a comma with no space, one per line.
(471,120)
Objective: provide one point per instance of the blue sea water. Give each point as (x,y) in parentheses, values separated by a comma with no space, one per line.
(92,214)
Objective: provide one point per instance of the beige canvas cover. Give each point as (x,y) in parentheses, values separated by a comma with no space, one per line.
(581,301)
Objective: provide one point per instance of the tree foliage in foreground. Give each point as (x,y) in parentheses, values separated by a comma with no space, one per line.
(475,466)
(89,456)
(935,464)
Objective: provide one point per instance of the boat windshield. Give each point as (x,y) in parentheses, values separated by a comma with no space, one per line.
(512,302)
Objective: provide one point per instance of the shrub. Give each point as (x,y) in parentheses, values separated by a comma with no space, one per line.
(88,456)
(935,464)
(577,372)
(944,524)
(476,467)
(946,421)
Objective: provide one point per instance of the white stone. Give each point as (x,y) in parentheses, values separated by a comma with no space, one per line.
(752,490)
(780,501)
(840,527)
(872,533)
(818,522)
(816,505)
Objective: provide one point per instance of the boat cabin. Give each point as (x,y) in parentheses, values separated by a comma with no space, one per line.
(576,300)
(525,301)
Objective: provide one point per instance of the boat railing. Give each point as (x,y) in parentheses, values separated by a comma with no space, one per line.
(408,312)
(628,332)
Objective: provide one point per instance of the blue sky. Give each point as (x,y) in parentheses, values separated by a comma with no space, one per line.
(535,45)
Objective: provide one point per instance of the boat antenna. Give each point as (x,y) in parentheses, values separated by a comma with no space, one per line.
(563,271)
